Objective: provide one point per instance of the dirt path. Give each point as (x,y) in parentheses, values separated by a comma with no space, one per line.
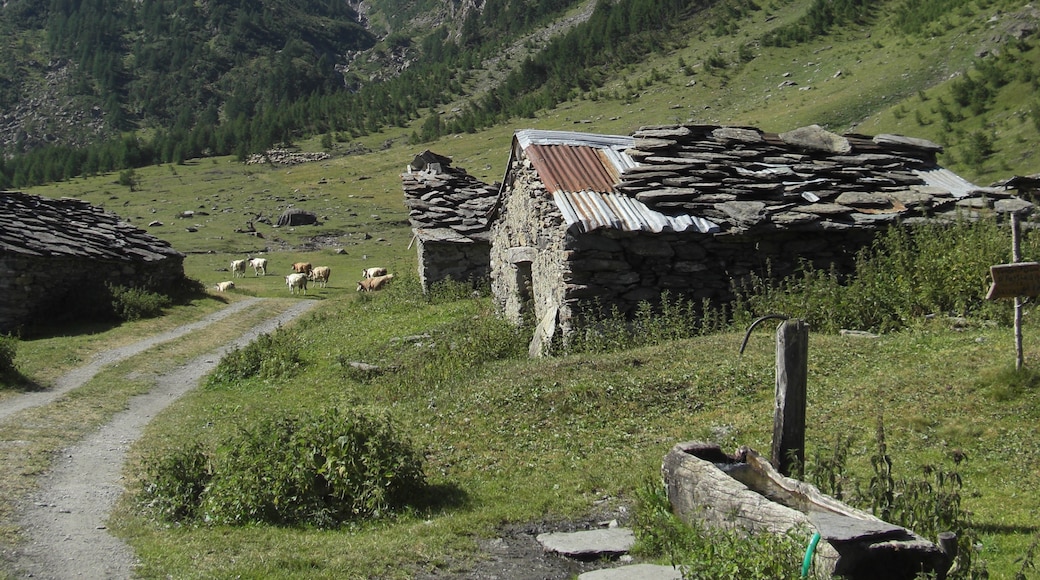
(64,521)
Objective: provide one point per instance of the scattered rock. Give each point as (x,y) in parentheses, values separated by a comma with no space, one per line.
(591,544)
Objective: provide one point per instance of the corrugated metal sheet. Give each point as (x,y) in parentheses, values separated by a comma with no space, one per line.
(572,168)
(582,169)
(949,181)
(593,210)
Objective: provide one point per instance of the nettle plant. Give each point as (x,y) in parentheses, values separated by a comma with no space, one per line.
(319,469)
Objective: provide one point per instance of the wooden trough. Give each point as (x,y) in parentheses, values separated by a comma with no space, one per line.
(708,487)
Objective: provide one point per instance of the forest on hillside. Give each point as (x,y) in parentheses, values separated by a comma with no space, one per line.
(175,79)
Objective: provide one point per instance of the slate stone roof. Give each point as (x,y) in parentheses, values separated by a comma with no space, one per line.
(445,203)
(31,225)
(807,179)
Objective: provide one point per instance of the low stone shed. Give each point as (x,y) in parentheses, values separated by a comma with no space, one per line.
(448,210)
(609,221)
(56,256)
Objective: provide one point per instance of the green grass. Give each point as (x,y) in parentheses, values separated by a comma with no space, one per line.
(518,440)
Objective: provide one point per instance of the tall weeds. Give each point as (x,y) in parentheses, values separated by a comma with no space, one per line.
(906,274)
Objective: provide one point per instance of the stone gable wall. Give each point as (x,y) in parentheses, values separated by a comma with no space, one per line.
(528,235)
(463,262)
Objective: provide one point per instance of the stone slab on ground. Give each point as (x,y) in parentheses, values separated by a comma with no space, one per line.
(589,544)
(634,572)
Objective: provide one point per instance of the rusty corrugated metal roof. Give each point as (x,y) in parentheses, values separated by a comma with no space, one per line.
(568,168)
(581,170)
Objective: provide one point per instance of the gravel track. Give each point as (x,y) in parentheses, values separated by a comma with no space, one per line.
(64,520)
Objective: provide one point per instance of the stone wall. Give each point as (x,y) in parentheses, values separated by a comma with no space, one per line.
(528,260)
(452,261)
(40,290)
(611,268)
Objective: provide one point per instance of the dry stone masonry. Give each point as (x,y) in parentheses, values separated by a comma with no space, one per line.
(56,255)
(448,210)
(562,245)
(806,180)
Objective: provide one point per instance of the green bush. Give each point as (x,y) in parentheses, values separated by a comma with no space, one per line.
(319,469)
(176,480)
(271,356)
(135,303)
(8,350)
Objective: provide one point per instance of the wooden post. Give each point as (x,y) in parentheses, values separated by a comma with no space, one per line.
(1016,256)
(792,358)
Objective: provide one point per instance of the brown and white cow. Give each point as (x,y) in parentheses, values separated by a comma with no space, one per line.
(373,284)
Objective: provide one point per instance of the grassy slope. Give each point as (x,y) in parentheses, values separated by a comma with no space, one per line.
(522,440)
(532,439)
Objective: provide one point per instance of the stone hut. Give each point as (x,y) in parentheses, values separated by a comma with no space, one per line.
(448,210)
(610,221)
(57,255)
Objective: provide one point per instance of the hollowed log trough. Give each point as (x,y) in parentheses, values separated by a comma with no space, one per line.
(707,487)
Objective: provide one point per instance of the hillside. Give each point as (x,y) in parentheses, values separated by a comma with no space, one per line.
(231,80)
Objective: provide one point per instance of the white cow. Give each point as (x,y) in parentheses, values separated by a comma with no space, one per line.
(320,274)
(238,268)
(296,282)
(259,265)
(225,286)
(373,272)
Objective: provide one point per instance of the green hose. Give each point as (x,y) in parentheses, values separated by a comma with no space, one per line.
(807,561)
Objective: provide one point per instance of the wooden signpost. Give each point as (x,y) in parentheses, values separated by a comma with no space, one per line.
(1015,280)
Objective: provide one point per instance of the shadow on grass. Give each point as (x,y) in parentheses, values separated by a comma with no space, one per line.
(1006,529)
(439,498)
(14,381)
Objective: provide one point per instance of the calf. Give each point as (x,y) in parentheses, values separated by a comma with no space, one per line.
(373,284)
(225,286)
(238,268)
(373,272)
(302,267)
(259,265)
(320,274)
(296,282)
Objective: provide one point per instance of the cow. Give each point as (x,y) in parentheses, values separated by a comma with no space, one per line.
(302,267)
(296,282)
(373,272)
(225,286)
(259,266)
(320,274)
(238,268)
(373,284)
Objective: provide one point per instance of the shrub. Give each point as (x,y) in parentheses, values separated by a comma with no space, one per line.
(8,349)
(135,303)
(271,356)
(176,480)
(319,469)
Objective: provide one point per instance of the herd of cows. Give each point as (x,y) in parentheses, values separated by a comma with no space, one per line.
(372,279)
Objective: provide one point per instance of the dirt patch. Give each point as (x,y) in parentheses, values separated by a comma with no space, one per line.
(516,554)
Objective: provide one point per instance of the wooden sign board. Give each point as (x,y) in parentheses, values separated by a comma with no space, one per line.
(1012,280)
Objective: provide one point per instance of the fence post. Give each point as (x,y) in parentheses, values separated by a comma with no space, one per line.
(792,356)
